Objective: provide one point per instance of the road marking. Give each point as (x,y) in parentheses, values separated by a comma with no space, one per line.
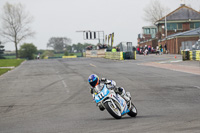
(197,87)
(92,65)
(176,61)
(65,85)
(60,77)
(169,61)
(63,82)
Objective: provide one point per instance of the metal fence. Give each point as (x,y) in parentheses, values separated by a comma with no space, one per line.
(126,47)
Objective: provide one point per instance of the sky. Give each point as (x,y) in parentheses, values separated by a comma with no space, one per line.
(62,18)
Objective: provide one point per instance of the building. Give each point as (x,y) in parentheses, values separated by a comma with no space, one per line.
(148,36)
(181,20)
(174,41)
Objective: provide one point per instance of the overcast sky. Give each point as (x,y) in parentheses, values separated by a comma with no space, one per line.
(62,18)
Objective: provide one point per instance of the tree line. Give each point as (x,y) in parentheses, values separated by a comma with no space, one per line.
(64,44)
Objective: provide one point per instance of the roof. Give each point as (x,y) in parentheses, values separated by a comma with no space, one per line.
(182,13)
(149,27)
(194,32)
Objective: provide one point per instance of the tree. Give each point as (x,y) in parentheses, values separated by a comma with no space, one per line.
(59,43)
(15,24)
(27,50)
(1,51)
(154,11)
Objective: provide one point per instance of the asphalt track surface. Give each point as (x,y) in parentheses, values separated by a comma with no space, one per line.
(52,96)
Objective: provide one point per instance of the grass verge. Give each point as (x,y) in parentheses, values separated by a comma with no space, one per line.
(4,70)
(10,62)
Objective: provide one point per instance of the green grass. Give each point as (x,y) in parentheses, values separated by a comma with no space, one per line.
(10,62)
(58,55)
(10,56)
(2,71)
(78,54)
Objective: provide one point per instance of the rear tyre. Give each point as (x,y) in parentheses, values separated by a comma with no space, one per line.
(133,111)
(112,110)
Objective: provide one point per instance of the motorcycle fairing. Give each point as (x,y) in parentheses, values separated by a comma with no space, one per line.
(104,92)
(123,104)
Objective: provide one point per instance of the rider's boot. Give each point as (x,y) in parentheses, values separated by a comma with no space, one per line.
(101,108)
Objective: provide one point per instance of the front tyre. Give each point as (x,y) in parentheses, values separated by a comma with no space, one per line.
(133,111)
(112,110)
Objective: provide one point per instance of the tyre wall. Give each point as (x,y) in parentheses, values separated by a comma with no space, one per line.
(191,55)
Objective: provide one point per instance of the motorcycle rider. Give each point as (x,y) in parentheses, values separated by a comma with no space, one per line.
(97,85)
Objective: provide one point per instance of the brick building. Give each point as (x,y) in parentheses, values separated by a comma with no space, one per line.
(148,36)
(172,29)
(174,41)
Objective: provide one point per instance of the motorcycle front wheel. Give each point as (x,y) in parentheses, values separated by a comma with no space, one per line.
(115,112)
(133,111)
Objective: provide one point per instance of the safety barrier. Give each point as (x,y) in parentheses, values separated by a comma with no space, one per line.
(198,55)
(84,54)
(191,55)
(69,56)
(96,53)
(114,55)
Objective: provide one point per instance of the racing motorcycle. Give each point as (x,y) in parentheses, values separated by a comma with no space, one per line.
(114,103)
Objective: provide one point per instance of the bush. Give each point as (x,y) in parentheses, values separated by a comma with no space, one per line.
(71,54)
(27,50)
(66,53)
(47,53)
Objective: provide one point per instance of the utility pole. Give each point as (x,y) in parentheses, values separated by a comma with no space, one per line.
(166,26)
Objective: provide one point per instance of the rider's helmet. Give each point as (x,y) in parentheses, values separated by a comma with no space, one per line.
(93,80)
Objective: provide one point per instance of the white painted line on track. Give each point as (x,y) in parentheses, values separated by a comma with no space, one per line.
(63,82)
(60,77)
(92,65)
(177,61)
(197,87)
(65,85)
(172,61)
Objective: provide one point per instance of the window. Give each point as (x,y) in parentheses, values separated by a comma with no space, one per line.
(160,28)
(191,25)
(174,26)
(180,26)
(147,31)
(194,25)
(197,25)
(171,26)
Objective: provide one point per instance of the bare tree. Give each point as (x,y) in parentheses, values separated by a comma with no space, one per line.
(59,43)
(154,11)
(15,24)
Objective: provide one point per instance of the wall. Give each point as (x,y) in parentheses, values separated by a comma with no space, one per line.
(152,43)
(114,55)
(96,53)
(174,44)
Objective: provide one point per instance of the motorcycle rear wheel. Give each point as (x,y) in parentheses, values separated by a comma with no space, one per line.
(115,112)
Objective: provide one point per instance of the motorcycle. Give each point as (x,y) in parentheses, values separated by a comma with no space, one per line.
(114,103)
